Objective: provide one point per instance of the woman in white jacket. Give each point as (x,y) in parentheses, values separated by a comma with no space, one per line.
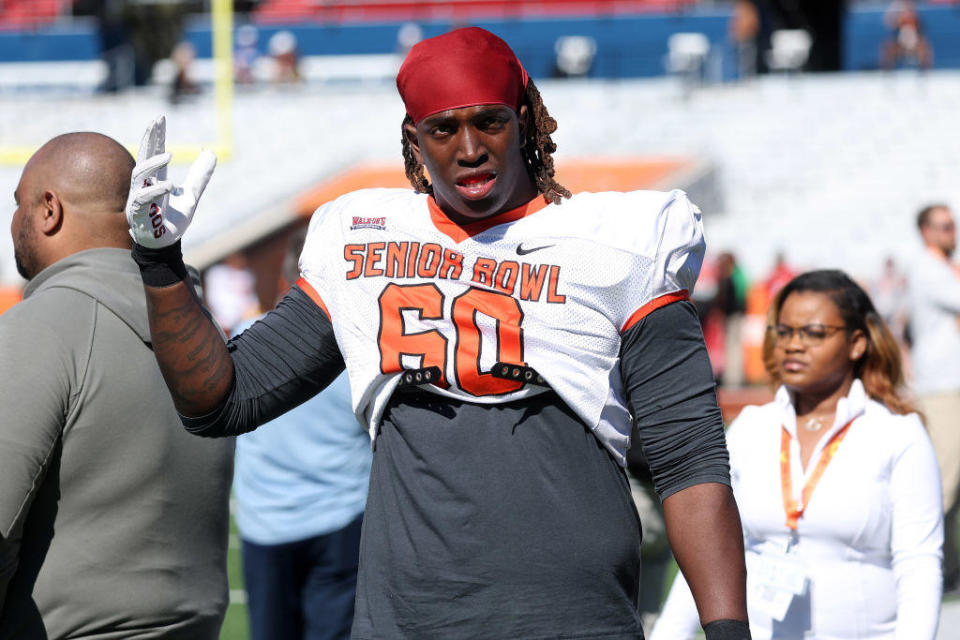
(836,481)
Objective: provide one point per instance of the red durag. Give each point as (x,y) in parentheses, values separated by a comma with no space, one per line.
(461,68)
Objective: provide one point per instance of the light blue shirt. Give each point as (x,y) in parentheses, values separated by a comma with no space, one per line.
(305,473)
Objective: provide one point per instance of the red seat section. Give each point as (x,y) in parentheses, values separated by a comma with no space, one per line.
(455,10)
(25,14)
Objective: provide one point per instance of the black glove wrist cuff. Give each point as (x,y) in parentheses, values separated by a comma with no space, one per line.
(160,267)
(727,630)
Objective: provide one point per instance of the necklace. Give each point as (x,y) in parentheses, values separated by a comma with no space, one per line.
(813,424)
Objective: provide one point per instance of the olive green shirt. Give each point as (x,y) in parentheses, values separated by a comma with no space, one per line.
(113,519)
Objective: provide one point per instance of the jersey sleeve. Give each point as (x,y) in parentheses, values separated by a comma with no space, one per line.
(283,360)
(320,250)
(671,393)
(671,246)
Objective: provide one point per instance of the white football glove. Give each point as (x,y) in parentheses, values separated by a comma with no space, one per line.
(158,211)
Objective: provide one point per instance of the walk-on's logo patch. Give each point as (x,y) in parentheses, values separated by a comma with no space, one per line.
(369,223)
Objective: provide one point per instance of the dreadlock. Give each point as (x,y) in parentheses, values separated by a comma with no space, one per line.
(537,148)
(413,169)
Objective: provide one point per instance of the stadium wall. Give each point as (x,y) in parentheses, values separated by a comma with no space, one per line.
(628,45)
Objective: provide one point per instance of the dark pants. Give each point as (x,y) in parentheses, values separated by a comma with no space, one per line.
(303,589)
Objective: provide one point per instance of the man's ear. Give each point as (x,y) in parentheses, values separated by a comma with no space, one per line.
(410,133)
(51,213)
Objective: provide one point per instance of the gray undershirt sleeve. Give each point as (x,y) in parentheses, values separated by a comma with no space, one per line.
(671,393)
(281,361)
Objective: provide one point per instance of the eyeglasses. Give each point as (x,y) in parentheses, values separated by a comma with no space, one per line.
(811,335)
(946,227)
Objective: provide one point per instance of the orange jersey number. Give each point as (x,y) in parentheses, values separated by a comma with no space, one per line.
(426,301)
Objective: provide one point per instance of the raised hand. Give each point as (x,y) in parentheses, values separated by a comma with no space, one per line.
(159,211)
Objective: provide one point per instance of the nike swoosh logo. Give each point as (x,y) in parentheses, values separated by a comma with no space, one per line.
(522,252)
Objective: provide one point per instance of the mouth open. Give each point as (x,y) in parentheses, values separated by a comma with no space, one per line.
(476,186)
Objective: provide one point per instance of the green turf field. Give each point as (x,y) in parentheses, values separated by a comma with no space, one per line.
(235,623)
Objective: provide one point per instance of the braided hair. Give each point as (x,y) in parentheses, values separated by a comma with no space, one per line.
(537,149)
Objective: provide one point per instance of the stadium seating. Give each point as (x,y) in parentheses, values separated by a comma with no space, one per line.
(26,14)
(831,169)
(360,10)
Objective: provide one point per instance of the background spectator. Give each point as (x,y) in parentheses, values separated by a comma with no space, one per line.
(934,316)
(889,293)
(230,292)
(781,274)
(134,35)
(113,519)
(183,85)
(744,32)
(246,53)
(286,58)
(835,479)
(300,485)
(907,42)
(731,303)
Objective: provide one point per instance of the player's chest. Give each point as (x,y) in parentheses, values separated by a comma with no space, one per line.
(465,308)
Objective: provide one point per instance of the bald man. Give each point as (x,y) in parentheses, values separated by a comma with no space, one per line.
(113,520)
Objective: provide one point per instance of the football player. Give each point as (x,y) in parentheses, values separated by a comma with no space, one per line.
(501,336)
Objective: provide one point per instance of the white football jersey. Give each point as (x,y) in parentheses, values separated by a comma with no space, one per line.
(547,287)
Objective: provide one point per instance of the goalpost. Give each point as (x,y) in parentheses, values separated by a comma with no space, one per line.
(221,23)
(221,17)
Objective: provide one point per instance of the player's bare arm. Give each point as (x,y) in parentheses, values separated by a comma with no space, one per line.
(704,529)
(188,347)
(191,354)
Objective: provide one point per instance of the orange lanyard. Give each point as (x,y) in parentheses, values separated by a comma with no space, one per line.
(794,510)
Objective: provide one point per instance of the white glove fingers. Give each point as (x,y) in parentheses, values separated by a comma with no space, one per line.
(144,150)
(154,138)
(146,194)
(199,175)
(158,211)
(145,168)
(160,142)
(153,142)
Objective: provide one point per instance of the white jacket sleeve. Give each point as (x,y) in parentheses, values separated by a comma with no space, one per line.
(917,539)
(679,619)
